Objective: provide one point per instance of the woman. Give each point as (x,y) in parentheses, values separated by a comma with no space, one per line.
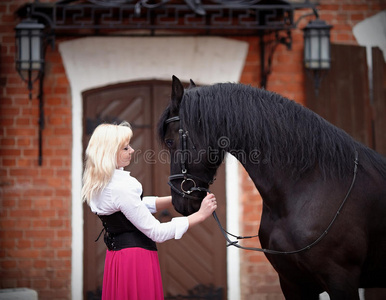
(131,266)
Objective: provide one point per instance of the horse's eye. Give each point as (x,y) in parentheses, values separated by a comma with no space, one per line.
(169,143)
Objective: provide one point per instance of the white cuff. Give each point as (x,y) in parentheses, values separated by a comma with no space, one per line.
(182,225)
(150,203)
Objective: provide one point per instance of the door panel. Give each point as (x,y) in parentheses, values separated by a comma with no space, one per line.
(344,100)
(200,256)
(112,106)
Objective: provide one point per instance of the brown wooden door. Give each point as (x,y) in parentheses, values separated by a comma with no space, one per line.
(344,99)
(200,256)
(348,100)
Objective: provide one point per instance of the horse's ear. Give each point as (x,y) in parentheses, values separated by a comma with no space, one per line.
(192,84)
(177,93)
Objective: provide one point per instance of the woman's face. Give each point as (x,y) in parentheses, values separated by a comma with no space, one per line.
(124,156)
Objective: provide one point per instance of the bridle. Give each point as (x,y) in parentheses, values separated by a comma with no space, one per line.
(187,179)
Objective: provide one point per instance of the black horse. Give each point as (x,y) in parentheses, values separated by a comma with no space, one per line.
(313,179)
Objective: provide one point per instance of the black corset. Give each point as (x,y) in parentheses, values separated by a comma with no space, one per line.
(120,233)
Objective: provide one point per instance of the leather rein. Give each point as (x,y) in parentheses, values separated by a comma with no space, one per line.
(191,178)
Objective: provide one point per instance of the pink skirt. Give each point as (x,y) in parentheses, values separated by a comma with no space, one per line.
(132,274)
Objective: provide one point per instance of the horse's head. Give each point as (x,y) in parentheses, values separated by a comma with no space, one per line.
(190,172)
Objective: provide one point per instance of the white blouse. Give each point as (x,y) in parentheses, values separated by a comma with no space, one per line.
(123,193)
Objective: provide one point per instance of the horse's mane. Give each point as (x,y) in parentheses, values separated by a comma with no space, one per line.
(285,134)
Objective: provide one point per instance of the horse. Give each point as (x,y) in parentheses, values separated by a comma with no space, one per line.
(323,223)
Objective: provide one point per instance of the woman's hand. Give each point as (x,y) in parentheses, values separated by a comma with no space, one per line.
(208,206)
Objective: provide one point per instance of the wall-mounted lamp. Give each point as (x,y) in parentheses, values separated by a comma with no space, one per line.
(30,51)
(317,52)
(30,41)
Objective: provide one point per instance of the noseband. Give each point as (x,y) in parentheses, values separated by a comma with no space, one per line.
(187,179)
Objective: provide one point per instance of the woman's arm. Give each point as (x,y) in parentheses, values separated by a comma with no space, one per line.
(128,201)
(163,203)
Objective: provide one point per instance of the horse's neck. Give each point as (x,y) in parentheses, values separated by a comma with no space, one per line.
(276,188)
(265,179)
(283,194)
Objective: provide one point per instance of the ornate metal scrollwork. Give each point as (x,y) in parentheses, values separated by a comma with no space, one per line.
(207,17)
(273,19)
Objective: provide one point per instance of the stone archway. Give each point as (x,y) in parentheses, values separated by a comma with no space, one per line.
(99,61)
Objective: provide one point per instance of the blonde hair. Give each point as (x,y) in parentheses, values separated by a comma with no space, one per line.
(101,156)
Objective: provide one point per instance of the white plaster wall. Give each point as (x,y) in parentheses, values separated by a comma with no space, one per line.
(371,32)
(98,61)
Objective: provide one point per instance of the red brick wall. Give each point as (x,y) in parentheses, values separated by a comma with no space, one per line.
(35,225)
(35,206)
(258,278)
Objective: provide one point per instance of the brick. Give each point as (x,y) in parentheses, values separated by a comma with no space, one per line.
(42,202)
(62,80)
(52,120)
(64,233)
(21,121)
(21,224)
(40,283)
(23,244)
(10,152)
(39,223)
(33,272)
(21,131)
(47,173)
(24,253)
(63,131)
(63,192)
(23,141)
(41,233)
(63,273)
(8,283)
(40,264)
(11,234)
(56,223)
(61,90)
(7,223)
(6,122)
(58,263)
(25,263)
(40,244)
(40,192)
(24,163)
(48,213)
(25,213)
(8,264)
(7,142)
(8,162)
(56,244)
(25,203)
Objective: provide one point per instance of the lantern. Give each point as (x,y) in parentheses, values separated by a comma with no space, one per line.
(29,51)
